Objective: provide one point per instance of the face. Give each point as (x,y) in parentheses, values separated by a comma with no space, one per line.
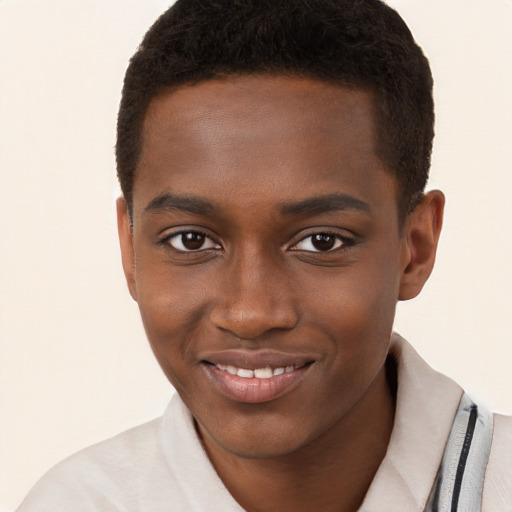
(266,257)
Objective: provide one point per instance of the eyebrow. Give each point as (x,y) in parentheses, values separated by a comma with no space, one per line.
(324,204)
(309,206)
(190,204)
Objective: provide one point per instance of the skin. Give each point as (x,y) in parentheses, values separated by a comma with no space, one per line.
(255,149)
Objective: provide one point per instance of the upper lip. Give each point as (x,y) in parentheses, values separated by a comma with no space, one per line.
(252,360)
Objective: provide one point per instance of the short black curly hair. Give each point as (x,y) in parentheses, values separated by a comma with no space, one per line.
(361,43)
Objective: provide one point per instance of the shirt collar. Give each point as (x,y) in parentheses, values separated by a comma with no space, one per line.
(426,405)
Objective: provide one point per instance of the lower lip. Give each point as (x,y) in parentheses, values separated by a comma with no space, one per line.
(253,390)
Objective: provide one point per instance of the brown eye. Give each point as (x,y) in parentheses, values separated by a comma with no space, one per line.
(323,241)
(192,241)
(319,242)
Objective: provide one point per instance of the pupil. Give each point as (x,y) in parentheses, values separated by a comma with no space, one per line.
(192,241)
(323,241)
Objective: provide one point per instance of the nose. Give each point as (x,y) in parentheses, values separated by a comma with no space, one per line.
(255,296)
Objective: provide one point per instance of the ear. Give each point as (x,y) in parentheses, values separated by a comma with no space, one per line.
(126,241)
(420,238)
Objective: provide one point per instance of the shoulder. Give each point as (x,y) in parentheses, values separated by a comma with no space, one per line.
(497,494)
(156,467)
(108,476)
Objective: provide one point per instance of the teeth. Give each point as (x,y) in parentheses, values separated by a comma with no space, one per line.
(259,373)
(263,373)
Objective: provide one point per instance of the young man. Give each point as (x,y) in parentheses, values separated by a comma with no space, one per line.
(273,158)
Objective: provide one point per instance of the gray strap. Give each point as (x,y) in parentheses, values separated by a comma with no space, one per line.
(460,480)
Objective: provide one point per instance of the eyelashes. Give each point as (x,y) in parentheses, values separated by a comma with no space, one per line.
(320,242)
(195,241)
(190,241)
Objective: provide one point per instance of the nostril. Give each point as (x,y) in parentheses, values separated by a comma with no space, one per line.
(250,322)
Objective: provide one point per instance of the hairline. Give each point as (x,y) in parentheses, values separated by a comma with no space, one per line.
(377,100)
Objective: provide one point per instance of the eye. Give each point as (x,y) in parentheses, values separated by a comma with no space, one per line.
(320,242)
(191,241)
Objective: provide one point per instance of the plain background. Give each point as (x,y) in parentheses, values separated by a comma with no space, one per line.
(75,366)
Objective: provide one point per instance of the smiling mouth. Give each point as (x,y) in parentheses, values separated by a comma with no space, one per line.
(259,373)
(257,384)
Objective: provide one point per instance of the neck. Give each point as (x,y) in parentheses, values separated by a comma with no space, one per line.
(332,473)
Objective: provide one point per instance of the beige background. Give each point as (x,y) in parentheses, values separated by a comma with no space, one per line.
(74,365)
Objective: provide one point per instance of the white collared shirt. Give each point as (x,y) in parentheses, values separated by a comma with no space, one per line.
(161,466)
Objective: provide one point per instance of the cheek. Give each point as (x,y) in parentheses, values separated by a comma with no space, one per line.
(356,310)
(353,296)
(171,309)
(168,296)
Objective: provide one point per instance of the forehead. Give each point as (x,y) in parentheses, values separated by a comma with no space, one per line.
(251,108)
(270,135)
(246,98)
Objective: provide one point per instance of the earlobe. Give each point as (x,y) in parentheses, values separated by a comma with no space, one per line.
(420,241)
(126,242)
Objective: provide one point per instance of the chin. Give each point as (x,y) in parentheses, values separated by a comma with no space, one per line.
(262,449)
(267,440)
